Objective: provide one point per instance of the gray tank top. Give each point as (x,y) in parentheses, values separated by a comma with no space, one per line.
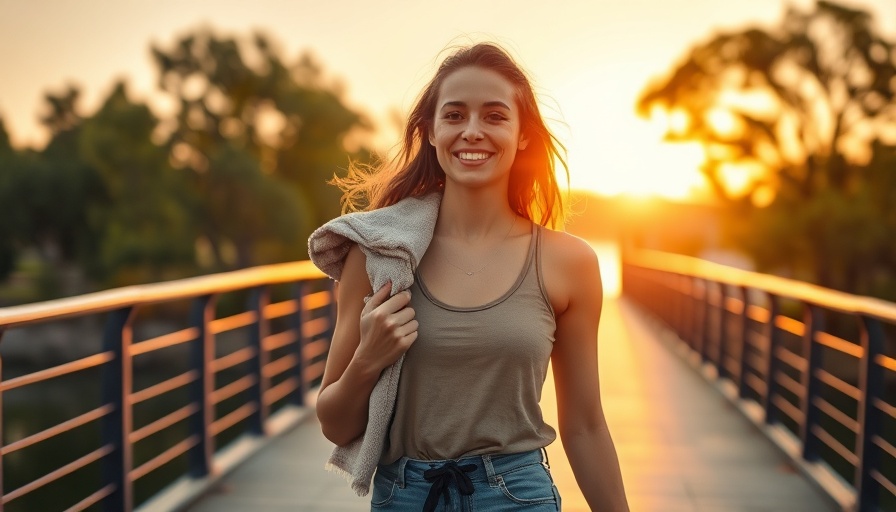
(471,382)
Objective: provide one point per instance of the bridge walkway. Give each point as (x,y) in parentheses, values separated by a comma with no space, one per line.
(682,446)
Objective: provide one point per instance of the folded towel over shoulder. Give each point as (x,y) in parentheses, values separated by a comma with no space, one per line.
(394,240)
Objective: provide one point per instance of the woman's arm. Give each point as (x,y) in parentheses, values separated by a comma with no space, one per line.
(583,427)
(366,339)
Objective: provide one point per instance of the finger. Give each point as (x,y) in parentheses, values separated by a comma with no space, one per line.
(404,316)
(406,329)
(397,302)
(378,298)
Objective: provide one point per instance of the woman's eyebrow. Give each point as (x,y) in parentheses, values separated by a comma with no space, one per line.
(496,103)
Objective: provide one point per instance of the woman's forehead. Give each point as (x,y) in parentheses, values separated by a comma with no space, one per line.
(476,86)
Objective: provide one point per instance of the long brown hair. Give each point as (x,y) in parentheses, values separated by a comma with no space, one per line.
(532,192)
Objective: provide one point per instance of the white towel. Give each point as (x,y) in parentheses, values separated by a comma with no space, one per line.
(394,240)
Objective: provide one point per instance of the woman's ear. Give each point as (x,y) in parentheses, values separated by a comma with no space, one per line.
(524,142)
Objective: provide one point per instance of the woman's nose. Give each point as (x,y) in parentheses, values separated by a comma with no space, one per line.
(472,131)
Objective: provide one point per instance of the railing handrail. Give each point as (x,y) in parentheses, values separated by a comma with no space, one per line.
(108,300)
(781,286)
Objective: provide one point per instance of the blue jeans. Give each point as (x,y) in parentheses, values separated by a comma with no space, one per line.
(490,483)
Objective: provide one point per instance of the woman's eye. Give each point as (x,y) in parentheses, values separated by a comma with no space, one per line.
(453,116)
(495,116)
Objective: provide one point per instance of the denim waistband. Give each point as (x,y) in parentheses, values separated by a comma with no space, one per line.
(487,466)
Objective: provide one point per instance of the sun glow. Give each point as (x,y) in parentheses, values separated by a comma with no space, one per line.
(626,155)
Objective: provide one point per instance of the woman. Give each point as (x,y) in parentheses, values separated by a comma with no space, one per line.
(496,297)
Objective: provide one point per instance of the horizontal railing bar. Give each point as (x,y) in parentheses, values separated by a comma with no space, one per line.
(164,341)
(755,362)
(280,339)
(163,458)
(315,327)
(795,361)
(887,362)
(886,408)
(838,344)
(59,473)
(836,414)
(58,371)
(734,305)
(317,300)
(835,445)
(232,389)
(789,409)
(758,385)
(281,365)
(314,349)
(782,287)
(790,384)
(757,313)
(233,418)
(163,423)
(164,387)
(65,426)
(232,322)
(107,300)
(884,445)
(280,309)
(93,499)
(785,323)
(232,359)
(281,390)
(839,384)
(314,370)
(883,481)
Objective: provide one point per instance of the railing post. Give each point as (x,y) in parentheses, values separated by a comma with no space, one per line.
(721,331)
(812,323)
(117,382)
(871,384)
(201,357)
(744,341)
(300,290)
(773,336)
(702,341)
(2,330)
(259,298)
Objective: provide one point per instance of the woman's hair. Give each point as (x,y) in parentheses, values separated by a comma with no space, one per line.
(532,192)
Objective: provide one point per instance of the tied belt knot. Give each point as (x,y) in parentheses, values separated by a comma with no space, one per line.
(441,477)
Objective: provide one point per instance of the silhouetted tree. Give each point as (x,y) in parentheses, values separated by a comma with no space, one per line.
(263,136)
(795,109)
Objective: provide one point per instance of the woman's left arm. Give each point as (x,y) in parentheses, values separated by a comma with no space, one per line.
(583,427)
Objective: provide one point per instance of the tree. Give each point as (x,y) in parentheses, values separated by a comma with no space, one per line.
(791,118)
(266,136)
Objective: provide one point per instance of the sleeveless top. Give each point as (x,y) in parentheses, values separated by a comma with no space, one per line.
(471,383)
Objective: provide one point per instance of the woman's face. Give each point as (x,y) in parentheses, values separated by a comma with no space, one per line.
(476,130)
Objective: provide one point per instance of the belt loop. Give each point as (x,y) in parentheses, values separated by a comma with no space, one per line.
(489,470)
(401,470)
(544,458)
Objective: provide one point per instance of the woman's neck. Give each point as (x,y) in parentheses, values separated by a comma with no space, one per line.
(473,214)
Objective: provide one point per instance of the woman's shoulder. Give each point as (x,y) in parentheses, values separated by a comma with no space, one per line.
(561,247)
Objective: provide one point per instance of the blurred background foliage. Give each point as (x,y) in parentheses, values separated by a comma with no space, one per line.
(798,122)
(235,178)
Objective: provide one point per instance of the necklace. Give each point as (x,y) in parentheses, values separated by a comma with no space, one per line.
(490,258)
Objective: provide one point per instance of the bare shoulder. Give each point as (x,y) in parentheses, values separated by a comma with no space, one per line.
(567,262)
(354,280)
(568,251)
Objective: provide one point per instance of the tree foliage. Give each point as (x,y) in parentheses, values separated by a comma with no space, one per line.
(236,177)
(800,113)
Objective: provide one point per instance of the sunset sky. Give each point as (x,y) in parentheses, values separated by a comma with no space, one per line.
(589,60)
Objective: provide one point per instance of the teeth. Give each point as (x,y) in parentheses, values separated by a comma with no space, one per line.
(472,156)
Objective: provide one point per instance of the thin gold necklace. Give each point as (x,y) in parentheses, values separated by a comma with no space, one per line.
(490,258)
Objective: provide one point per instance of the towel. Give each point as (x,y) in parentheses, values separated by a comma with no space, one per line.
(394,240)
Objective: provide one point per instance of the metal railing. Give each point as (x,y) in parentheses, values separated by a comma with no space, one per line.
(250,388)
(812,367)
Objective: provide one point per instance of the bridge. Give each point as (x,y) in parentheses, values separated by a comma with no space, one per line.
(725,390)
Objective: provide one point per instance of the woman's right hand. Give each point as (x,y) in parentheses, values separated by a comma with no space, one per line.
(388,329)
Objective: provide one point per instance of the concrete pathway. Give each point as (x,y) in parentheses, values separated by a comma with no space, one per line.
(682,446)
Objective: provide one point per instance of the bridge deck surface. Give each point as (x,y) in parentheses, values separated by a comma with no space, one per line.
(682,446)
